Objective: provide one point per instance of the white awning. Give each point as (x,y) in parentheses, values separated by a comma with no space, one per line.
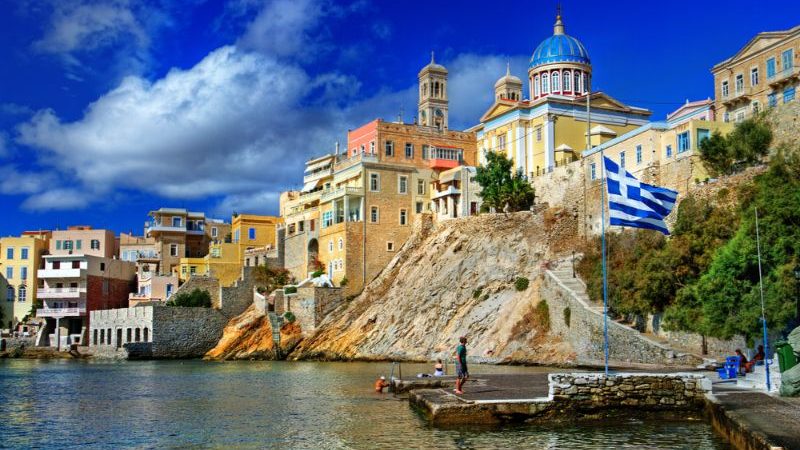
(309,186)
(449,176)
(563,148)
(318,165)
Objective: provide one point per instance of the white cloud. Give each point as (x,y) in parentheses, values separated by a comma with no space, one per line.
(15,181)
(56,199)
(283,28)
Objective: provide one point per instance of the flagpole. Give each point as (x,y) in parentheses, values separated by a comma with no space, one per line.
(763,314)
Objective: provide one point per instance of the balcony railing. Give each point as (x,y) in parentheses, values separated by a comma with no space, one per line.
(451,190)
(61,312)
(738,95)
(332,194)
(62,292)
(355,159)
(61,273)
(318,174)
(783,75)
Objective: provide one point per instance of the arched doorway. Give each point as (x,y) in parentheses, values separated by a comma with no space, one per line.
(313,253)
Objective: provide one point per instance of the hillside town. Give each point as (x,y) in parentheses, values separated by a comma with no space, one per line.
(392,231)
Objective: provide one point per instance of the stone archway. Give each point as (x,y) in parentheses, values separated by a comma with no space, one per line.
(312,255)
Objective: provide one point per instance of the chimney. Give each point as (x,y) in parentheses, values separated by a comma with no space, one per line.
(337,148)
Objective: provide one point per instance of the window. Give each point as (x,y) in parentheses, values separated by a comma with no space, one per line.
(183,270)
(22,293)
(669,151)
(756,107)
(373,214)
(425,152)
(327,219)
(538,134)
(622,159)
(683,142)
(545,84)
(236,235)
(78,243)
(577,84)
(372,147)
(251,234)
(536,86)
(501,142)
(638,154)
(10,293)
(95,244)
(786,60)
(192,270)
(419,207)
(739,116)
(362,148)
(389,246)
(726,117)
(402,184)
(409,150)
(420,187)
(567,81)
(754,76)
(341,244)
(67,245)
(56,265)
(177,222)
(301,226)
(556,82)
(10,253)
(9,273)
(23,273)
(173,249)
(772,100)
(403,217)
(389,148)
(374,182)
(215,252)
(770,68)
(58,245)
(724,88)
(788,94)
(76,264)
(593,171)
(23,253)
(702,135)
(739,83)
(330,246)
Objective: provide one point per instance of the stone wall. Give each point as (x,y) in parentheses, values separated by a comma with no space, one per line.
(311,304)
(585,332)
(204,283)
(584,392)
(235,299)
(295,248)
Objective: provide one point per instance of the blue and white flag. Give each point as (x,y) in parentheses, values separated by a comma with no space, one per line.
(635,204)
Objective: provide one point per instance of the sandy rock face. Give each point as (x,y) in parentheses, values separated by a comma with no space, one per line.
(456,279)
(249,336)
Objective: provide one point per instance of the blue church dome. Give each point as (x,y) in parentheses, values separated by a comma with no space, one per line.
(559,47)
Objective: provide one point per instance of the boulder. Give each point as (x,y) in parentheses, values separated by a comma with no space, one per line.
(794,340)
(790,382)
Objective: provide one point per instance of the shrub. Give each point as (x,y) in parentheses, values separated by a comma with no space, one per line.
(289,316)
(318,273)
(261,290)
(745,145)
(197,298)
(344,281)
(567,315)
(271,278)
(485,297)
(501,186)
(476,294)
(290,289)
(521,284)
(542,315)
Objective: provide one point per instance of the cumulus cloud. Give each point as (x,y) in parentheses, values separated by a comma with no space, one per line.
(283,27)
(57,199)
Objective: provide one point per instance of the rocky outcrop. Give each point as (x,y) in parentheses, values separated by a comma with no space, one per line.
(455,280)
(250,336)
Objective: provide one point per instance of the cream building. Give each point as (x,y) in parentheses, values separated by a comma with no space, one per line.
(764,73)
(549,129)
(20,258)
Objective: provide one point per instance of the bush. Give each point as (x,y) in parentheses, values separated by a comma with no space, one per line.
(270,278)
(289,316)
(196,298)
(485,297)
(476,294)
(501,186)
(521,284)
(290,289)
(318,273)
(567,315)
(542,315)
(745,145)
(344,281)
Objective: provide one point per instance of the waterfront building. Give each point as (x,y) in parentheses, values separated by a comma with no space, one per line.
(152,283)
(222,262)
(356,208)
(250,231)
(178,233)
(20,258)
(84,240)
(549,128)
(72,286)
(762,74)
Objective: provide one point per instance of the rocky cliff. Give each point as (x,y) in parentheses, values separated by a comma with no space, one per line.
(457,279)
(249,336)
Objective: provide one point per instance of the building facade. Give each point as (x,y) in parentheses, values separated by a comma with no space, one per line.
(20,258)
(549,129)
(250,231)
(456,193)
(84,240)
(178,233)
(764,73)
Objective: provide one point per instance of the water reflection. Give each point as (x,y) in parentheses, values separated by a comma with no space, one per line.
(267,405)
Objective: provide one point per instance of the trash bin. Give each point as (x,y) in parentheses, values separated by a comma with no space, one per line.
(786,356)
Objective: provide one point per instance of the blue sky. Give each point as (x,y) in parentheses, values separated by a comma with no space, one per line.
(109,109)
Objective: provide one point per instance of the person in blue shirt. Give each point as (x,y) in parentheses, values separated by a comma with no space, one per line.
(462,374)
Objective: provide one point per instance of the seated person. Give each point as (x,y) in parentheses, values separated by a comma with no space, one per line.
(742,360)
(748,366)
(380,384)
(438,369)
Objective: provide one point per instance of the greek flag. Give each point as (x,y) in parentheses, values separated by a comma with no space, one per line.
(635,204)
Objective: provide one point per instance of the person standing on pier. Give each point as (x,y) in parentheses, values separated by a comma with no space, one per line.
(462,374)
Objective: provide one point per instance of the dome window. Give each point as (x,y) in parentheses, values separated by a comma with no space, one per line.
(556,82)
(567,80)
(545,84)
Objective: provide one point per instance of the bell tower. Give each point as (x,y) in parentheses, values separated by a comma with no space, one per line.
(433,102)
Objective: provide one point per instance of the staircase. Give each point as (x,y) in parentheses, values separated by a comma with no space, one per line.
(565,275)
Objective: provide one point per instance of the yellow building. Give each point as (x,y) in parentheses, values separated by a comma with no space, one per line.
(222,262)
(20,260)
(549,129)
(251,231)
(764,73)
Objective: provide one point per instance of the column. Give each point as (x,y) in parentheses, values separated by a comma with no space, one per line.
(531,163)
(519,142)
(362,212)
(549,143)
(58,334)
(346,207)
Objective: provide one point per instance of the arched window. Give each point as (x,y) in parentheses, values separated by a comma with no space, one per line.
(545,84)
(146,335)
(567,80)
(577,77)
(103,337)
(341,243)
(536,86)
(22,293)
(587,82)
(10,294)
(137,335)
(556,82)
(94,341)
(436,89)
(330,245)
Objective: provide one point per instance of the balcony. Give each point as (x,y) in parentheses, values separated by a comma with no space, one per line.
(318,175)
(784,76)
(61,312)
(62,292)
(61,273)
(333,194)
(353,160)
(451,190)
(739,95)
(159,227)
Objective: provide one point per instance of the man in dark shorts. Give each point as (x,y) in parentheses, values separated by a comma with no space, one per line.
(461,364)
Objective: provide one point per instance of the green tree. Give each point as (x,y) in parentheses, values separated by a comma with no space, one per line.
(198,297)
(268,279)
(500,185)
(747,144)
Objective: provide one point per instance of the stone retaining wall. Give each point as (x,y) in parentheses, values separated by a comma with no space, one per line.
(585,332)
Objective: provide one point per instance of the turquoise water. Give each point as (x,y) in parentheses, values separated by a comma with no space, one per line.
(195,404)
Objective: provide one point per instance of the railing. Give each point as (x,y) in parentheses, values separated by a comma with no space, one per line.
(61,290)
(61,273)
(783,75)
(317,174)
(340,192)
(355,159)
(451,190)
(738,94)
(60,312)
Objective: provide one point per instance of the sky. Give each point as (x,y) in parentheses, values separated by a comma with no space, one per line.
(110,109)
